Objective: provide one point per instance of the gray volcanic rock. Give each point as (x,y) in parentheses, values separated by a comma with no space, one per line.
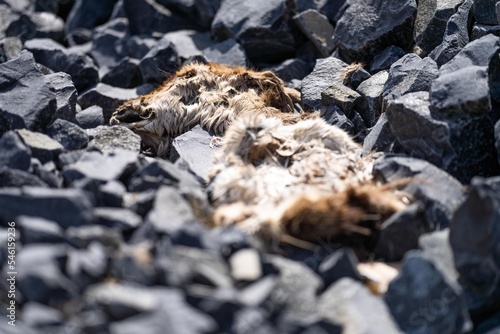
(193,147)
(160,62)
(149,16)
(326,71)
(474,237)
(42,146)
(109,138)
(27,98)
(10,48)
(66,207)
(358,41)
(201,11)
(42,316)
(126,74)
(481,30)
(28,24)
(410,74)
(66,95)
(419,285)
(317,29)
(292,69)
(90,117)
(13,152)
(226,52)
(43,264)
(386,58)
(360,310)
(15,178)
(106,42)
(342,96)
(36,230)
(188,43)
(118,218)
(333,115)
(107,97)
(341,263)
(430,24)
(115,165)
(371,91)
(88,14)
(463,145)
(456,35)
(380,138)
(464,91)
(68,134)
(261,27)
(440,193)
(53,55)
(88,266)
(484,12)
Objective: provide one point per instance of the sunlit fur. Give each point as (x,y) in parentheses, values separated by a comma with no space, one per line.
(278,174)
(210,95)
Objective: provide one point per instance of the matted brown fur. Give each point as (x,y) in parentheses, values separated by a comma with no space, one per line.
(278,174)
(210,95)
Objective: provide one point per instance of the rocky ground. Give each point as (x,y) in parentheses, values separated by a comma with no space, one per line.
(105,239)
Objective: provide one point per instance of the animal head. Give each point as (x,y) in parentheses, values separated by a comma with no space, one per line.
(211,95)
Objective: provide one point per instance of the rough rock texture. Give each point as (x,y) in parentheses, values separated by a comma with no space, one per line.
(317,29)
(356,39)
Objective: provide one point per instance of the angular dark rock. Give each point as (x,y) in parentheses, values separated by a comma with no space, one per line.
(42,146)
(10,48)
(90,117)
(410,74)
(464,91)
(137,46)
(88,14)
(326,71)
(107,97)
(160,62)
(118,218)
(83,236)
(201,11)
(386,58)
(109,138)
(422,299)
(356,77)
(170,310)
(380,138)
(463,145)
(474,237)
(29,25)
(292,69)
(13,152)
(317,29)
(430,24)
(194,148)
(140,202)
(41,316)
(358,41)
(125,75)
(440,193)
(36,230)
(87,266)
(66,95)
(335,116)
(400,232)
(40,276)
(53,55)
(66,207)
(371,91)
(484,11)
(341,263)
(112,193)
(476,53)
(456,35)
(18,178)
(28,99)
(106,41)
(118,164)
(189,43)
(226,52)
(47,172)
(148,17)
(260,27)
(300,284)
(68,134)
(341,96)
(359,310)
(481,30)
